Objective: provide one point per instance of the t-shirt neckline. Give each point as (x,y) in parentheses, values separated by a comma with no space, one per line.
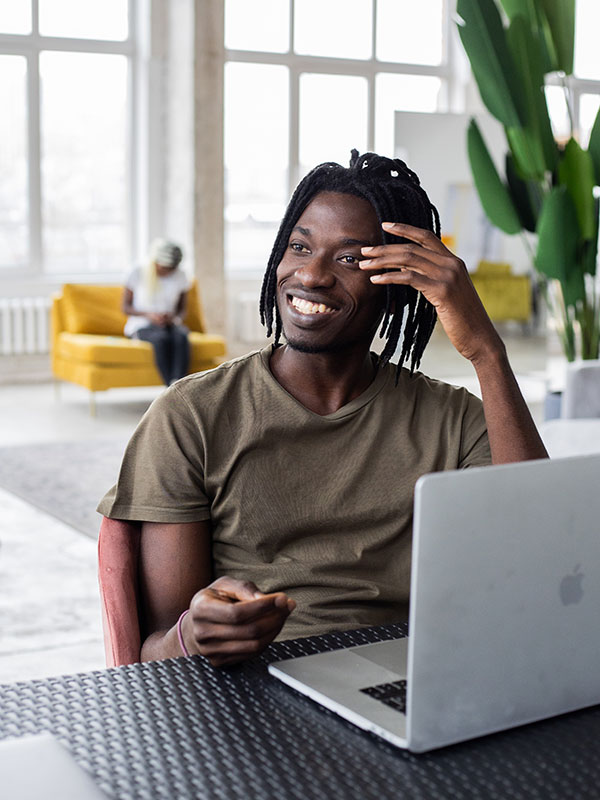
(372,390)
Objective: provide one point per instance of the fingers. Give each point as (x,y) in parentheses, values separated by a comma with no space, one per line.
(408,277)
(235,589)
(422,236)
(232,620)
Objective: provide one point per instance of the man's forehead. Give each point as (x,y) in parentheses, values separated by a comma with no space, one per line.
(353,217)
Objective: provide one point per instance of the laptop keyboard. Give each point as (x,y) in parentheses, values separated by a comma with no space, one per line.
(392,694)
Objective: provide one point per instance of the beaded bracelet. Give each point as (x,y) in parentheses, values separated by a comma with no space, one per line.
(184,649)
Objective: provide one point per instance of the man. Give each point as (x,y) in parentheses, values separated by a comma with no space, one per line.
(288,474)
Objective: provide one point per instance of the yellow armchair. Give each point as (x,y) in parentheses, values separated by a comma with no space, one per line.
(88,347)
(504,295)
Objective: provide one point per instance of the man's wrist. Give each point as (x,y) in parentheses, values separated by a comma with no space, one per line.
(183,633)
(493,357)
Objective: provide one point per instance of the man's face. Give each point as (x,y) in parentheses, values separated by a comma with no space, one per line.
(326,302)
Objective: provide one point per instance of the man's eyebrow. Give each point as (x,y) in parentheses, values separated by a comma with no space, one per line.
(361,242)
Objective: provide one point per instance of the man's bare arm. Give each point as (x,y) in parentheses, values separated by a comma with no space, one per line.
(428,266)
(229,620)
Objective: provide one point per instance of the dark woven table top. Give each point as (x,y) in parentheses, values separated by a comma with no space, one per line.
(180,729)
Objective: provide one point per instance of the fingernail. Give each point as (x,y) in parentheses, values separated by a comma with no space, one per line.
(365,262)
(387,225)
(365,249)
(376,278)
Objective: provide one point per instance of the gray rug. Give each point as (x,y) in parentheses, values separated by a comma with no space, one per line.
(65,479)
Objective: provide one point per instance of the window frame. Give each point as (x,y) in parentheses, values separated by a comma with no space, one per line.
(30,46)
(447,71)
(368,68)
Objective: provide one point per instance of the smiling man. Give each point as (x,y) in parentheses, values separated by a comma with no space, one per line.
(275,492)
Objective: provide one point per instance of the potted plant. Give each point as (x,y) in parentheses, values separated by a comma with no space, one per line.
(548,186)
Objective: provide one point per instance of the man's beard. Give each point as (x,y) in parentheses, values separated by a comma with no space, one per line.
(326,347)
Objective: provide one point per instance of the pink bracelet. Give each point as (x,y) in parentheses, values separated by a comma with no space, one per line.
(184,649)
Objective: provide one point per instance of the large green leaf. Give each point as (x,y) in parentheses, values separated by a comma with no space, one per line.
(531,10)
(561,20)
(533,144)
(576,172)
(556,255)
(594,147)
(493,194)
(484,40)
(524,7)
(526,196)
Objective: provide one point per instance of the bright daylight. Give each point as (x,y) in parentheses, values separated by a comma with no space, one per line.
(299,399)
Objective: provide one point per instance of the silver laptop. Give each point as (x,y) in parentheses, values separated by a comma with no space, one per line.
(504,613)
(38,766)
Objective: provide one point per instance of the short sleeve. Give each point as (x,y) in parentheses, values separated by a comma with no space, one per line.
(185,282)
(133,278)
(162,473)
(474,442)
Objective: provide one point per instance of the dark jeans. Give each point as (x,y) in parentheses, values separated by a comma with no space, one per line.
(171,349)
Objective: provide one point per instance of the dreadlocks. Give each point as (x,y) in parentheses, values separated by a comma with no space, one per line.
(396,195)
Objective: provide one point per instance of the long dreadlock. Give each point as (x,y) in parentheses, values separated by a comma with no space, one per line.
(396,195)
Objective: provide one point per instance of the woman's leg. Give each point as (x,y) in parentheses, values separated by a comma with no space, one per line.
(180,352)
(160,339)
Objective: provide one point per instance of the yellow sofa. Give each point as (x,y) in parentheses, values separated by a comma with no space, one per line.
(504,295)
(89,349)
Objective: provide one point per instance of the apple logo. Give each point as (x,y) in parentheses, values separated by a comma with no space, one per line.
(570,587)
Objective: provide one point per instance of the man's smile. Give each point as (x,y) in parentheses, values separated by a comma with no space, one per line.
(308,307)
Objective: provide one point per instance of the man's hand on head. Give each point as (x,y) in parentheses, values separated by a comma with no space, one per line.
(231,620)
(427,265)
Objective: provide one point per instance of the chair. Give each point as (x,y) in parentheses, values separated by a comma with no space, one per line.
(505,296)
(88,346)
(118,552)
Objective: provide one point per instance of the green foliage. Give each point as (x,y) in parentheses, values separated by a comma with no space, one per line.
(576,172)
(494,195)
(525,196)
(512,45)
(594,147)
(483,36)
(560,16)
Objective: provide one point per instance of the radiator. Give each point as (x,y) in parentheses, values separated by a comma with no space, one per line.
(248,325)
(24,325)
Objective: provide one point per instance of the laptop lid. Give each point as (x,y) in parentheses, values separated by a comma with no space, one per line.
(505,598)
(33,767)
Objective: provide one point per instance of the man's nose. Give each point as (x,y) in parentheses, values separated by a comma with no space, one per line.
(316,271)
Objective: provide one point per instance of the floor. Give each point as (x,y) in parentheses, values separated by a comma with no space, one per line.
(49,608)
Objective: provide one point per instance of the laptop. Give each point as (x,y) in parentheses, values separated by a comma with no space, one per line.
(504,614)
(38,766)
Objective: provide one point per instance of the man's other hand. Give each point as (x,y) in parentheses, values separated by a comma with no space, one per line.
(231,620)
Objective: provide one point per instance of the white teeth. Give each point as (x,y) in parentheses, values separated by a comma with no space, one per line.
(305,307)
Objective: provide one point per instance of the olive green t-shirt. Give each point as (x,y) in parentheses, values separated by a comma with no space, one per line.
(317,506)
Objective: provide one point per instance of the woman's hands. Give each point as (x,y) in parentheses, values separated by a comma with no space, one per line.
(427,265)
(231,620)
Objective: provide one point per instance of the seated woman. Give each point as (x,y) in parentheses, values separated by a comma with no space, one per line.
(154,300)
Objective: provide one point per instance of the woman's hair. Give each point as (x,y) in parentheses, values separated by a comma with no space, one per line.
(165,253)
(396,195)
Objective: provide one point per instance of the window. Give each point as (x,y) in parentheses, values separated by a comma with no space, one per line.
(308,80)
(65,181)
(14,215)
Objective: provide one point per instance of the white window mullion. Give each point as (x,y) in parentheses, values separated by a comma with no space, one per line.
(34,163)
(294,169)
(294,110)
(371,79)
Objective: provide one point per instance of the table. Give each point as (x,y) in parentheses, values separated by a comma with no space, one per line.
(180,729)
(571,437)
